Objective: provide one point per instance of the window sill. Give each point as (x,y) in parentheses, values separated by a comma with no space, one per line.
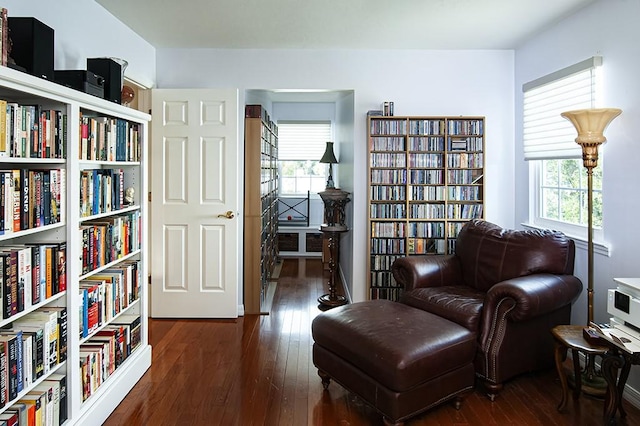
(599,247)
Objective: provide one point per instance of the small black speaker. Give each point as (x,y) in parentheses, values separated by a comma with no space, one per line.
(111,71)
(32,46)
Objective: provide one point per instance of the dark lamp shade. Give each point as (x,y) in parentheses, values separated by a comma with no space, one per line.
(328,156)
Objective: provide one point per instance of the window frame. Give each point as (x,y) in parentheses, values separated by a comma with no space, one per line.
(535,166)
(325,170)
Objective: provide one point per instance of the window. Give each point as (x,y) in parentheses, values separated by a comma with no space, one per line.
(558,179)
(300,147)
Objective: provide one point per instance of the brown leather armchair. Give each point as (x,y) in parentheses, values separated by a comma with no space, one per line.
(510,287)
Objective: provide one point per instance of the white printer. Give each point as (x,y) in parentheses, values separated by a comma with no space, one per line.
(623,302)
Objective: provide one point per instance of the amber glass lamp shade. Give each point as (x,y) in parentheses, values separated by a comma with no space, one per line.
(591,124)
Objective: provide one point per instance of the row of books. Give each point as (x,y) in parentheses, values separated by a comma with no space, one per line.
(32,131)
(388,127)
(426,211)
(426,246)
(31,199)
(109,139)
(382,279)
(388,160)
(465,160)
(45,404)
(387,245)
(388,229)
(388,211)
(470,143)
(425,127)
(386,143)
(387,192)
(30,274)
(383,262)
(388,176)
(105,295)
(108,239)
(101,191)
(30,348)
(390,293)
(106,351)
(465,127)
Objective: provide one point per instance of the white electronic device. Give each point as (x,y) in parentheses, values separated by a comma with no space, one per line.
(623,302)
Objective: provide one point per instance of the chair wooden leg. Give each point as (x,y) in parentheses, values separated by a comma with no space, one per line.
(388,422)
(493,389)
(326,379)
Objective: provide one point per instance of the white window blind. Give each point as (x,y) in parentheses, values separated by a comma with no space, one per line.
(546,134)
(300,141)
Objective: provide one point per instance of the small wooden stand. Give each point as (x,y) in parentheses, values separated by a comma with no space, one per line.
(334,215)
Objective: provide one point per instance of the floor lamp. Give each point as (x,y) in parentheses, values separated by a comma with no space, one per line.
(590,124)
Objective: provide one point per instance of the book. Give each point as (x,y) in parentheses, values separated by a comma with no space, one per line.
(36,332)
(51,391)
(24,199)
(27,359)
(8,202)
(61,380)
(48,321)
(62,321)
(3,125)
(9,418)
(23,414)
(4,374)
(17,196)
(39,399)
(10,346)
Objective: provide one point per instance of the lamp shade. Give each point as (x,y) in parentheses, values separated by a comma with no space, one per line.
(590,124)
(328,156)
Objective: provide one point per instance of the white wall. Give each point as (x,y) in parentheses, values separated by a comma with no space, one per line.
(419,82)
(84,29)
(608,28)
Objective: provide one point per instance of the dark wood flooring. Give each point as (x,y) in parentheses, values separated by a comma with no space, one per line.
(258,370)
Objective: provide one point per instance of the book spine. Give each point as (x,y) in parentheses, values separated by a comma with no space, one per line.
(24,200)
(4,370)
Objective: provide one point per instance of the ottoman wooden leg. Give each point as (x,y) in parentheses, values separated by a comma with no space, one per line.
(388,422)
(457,402)
(326,379)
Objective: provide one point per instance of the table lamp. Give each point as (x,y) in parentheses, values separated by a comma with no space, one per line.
(329,158)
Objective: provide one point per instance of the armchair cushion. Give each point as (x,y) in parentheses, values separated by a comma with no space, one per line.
(490,254)
(462,305)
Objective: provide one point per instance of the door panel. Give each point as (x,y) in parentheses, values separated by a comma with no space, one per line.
(195,182)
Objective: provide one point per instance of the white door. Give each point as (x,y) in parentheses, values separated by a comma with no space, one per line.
(195,217)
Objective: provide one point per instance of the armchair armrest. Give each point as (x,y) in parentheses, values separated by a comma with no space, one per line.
(427,271)
(531,296)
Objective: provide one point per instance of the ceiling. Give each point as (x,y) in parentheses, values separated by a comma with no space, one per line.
(339,24)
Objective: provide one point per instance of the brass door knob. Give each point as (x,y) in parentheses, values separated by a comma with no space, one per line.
(228,215)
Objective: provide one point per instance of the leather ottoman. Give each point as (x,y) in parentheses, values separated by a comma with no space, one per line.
(399,359)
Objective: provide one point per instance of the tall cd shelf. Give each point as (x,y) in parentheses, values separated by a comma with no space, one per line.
(76,293)
(425,180)
(261,206)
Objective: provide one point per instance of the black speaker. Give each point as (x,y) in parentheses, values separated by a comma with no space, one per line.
(32,46)
(111,71)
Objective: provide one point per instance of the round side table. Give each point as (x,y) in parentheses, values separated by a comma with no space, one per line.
(570,337)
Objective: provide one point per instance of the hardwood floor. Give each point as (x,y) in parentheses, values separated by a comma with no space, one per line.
(258,370)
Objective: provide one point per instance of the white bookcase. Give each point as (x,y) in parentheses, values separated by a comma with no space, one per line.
(24,89)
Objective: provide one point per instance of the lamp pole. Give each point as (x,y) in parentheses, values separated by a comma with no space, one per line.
(590,125)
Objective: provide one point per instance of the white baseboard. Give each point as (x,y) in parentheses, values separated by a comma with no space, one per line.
(630,394)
